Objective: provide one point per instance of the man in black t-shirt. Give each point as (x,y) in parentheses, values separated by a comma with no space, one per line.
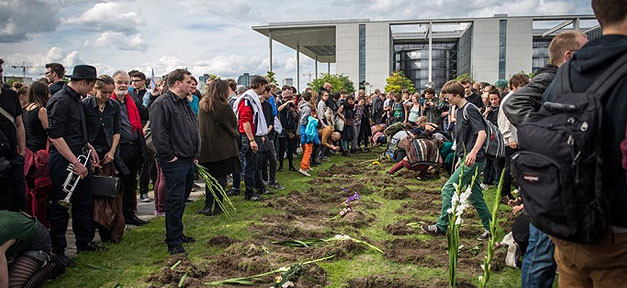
(470,135)
(13,190)
(470,95)
(55,73)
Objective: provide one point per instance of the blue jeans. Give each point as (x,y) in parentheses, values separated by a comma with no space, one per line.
(538,269)
(179,177)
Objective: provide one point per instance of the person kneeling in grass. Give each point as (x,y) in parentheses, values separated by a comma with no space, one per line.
(469,134)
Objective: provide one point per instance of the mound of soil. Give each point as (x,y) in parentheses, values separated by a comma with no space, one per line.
(168,275)
(341,250)
(357,219)
(314,277)
(417,252)
(221,241)
(381,282)
(396,193)
(284,231)
(399,229)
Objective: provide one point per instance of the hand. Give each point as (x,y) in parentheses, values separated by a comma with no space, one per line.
(471,158)
(517,209)
(173,159)
(95,160)
(513,145)
(80,170)
(336,148)
(195,161)
(253,146)
(108,158)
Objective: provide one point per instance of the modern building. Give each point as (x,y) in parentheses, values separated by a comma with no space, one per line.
(244,79)
(429,51)
(288,81)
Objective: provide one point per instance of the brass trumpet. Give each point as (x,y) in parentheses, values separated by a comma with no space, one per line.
(72,179)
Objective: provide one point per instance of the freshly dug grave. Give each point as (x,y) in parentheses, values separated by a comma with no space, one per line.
(427,253)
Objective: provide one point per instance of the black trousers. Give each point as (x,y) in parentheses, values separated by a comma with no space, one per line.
(12,185)
(287,145)
(504,163)
(130,154)
(179,177)
(146,173)
(82,201)
(252,172)
(269,161)
(314,154)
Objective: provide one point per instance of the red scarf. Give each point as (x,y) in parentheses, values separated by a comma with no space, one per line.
(133,113)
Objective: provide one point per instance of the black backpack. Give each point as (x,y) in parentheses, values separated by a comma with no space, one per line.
(559,164)
(494,144)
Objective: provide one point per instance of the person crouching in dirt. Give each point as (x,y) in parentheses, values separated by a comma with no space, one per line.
(420,157)
(470,135)
(26,258)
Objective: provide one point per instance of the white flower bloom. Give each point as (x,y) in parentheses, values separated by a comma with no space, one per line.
(284,269)
(459,221)
(342,237)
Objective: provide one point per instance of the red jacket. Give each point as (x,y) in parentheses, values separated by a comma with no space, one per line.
(245,115)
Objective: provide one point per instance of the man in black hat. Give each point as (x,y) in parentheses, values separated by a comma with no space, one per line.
(12,137)
(68,133)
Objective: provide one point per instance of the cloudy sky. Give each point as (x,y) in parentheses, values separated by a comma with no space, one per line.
(206,36)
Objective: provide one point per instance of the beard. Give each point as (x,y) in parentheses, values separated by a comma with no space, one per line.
(120,93)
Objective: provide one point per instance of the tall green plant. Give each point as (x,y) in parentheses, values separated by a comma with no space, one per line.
(398,82)
(483,280)
(338,83)
(271,77)
(459,203)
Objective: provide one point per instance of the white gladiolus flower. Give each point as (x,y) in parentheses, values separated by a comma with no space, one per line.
(342,237)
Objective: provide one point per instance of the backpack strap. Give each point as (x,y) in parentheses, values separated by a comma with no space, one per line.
(610,77)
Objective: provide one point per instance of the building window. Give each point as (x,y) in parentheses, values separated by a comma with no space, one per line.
(502,49)
(362,55)
(413,60)
(540,54)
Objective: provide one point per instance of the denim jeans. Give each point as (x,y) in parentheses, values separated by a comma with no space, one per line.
(179,177)
(538,268)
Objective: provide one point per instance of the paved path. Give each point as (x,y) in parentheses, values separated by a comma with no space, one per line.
(145,211)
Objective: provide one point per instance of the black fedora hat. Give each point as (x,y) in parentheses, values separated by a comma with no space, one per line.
(86,72)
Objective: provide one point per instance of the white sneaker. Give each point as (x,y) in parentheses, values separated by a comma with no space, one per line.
(484,186)
(301,171)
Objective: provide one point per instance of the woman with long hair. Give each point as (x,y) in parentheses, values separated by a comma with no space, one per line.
(217,125)
(38,183)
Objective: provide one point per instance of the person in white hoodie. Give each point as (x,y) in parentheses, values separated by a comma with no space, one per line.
(509,134)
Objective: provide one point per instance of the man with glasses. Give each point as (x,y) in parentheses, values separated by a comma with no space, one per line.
(55,73)
(130,147)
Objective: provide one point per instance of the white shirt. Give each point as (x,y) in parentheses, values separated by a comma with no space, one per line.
(510,133)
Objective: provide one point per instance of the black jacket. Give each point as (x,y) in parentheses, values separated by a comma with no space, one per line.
(528,99)
(586,67)
(174,128)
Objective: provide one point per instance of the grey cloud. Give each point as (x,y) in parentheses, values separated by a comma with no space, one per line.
(108,16)
(18,20)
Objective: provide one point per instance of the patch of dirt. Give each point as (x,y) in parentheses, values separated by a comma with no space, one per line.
(391,282)
(221,241)
(341,250)
(168,275)
(356,218)
(396,193)
(414,251)
(399,229)
(314,276)
(284,231)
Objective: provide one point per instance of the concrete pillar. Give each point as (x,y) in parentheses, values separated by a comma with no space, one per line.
(329,67)
(429,32)
(270,44)
(316,67)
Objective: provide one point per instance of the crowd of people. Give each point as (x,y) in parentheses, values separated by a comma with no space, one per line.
(91,139)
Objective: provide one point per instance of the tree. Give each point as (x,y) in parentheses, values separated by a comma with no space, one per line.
(398,82)
(465,76)
(338,83)
(270,77)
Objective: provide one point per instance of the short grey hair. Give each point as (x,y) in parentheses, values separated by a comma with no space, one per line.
(119,72)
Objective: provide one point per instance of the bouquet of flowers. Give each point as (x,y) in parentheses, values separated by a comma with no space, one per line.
(347,209)
(214,187)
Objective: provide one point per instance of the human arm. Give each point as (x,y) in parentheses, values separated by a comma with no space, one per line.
(280,108)
(160,127)
(471,157)
(20,135)
(4,267)
(42,114)
(251,137)
(110,156)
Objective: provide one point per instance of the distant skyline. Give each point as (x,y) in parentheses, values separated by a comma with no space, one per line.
(213,37)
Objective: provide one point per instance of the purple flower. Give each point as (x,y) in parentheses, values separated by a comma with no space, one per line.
(353,198)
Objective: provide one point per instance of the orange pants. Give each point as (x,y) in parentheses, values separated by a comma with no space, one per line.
(307,149)
(599,264)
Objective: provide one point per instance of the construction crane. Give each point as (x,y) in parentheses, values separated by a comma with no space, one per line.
(309,74)
(24,67)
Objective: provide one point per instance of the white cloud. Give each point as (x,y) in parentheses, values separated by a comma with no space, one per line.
(37,62)
(18,23)
(165,64)
(109,16)
(118,40)
(234,9)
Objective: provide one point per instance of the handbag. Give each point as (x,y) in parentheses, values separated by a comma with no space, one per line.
(105,186)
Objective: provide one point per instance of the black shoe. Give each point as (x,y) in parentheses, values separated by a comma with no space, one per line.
(67,262)
(486,235)
(279,169)
(293,169)
(91,247)
(254,198)
(232,192)
(205,211)
(344,153)
(177,250)
(134,220)
(217,211)
(187,239)
(315,163)
(267,192)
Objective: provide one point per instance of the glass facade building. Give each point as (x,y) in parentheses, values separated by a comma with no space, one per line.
(362,55)
(413,60)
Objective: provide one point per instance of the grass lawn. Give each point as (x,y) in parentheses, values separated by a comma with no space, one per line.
(412,258)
